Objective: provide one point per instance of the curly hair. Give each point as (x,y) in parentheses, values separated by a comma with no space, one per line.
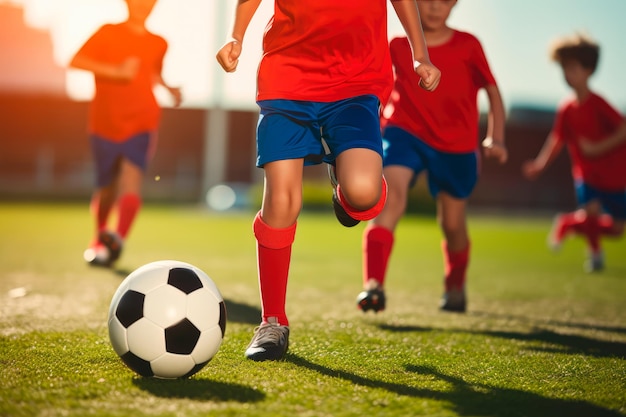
(578,48)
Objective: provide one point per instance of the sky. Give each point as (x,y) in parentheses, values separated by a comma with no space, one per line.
(515,35)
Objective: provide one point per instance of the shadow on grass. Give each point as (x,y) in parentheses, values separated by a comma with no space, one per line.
(567,344)
(242,313)
(549,322)
(199,389)
(469,399)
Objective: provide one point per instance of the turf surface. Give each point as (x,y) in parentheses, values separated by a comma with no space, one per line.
(541,337)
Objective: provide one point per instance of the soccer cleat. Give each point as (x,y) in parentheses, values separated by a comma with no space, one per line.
(595,262)
(371,298)
(113,242)
(343,217)
(454,300)
(270,342)
(97,255)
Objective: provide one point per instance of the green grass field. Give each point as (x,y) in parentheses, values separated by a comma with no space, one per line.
(541,338)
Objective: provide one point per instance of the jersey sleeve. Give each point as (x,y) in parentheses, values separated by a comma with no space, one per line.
(608,115)
(481,72)
(96,46)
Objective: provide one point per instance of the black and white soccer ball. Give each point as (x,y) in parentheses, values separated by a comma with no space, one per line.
(167,320)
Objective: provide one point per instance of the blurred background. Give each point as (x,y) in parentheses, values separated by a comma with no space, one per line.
(44,152)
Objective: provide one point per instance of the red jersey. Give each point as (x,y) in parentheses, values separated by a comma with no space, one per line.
(326,50)
(447,118)
(593,119)
(121,110)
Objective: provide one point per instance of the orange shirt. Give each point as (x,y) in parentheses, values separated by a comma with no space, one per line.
(325,51)
(121,110)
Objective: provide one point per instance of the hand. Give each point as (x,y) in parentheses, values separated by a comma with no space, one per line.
(530,169)
(495,149)
(127,70)
(176,94)
(430,75)
(590,149)
(228,55)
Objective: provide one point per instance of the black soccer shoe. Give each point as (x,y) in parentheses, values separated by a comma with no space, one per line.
(454,300)
(113,242)
(343,217)
(373,299)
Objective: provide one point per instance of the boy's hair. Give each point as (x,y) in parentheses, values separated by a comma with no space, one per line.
(578,48)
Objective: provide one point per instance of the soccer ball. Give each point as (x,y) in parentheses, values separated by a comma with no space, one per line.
(167,320)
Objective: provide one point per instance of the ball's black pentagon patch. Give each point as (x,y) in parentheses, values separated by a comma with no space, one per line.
(134,362)
(223,317)
(184,279)
(181,338)
(130,308)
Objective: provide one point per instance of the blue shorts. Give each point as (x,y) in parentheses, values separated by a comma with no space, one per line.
(289,129)
(108,154)
(613,202)
(453,173)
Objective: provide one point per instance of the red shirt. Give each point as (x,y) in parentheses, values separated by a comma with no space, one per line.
(447,118)
(326,50)
(593,119)
(121,110)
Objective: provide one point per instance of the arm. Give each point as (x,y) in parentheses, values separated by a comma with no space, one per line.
(125,71)
(228,55)
(175,92)
(550,150)
(593,149)
(494,142)
(409,17)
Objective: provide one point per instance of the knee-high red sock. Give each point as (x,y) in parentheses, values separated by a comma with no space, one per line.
(368,214)
(377,245)
(455,266)
(606,225)
(273,259)
(570,222)
(128,207)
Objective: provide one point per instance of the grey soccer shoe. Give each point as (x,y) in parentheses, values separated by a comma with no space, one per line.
(270,342)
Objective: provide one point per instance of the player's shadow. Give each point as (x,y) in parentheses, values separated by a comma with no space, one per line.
(547,322)
(199,390)
(563,343)
(468,399)
(242,313)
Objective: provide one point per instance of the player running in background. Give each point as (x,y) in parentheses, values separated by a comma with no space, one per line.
(324,72)
(595,136)
(436,134)
(126,60)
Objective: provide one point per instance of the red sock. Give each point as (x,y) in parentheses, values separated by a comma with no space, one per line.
(606,225)
(128,207)
(455,266)
(377,245)
(273,258)
(368,214)
(570,222)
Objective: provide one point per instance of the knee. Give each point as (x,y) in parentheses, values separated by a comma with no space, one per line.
(362,193)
